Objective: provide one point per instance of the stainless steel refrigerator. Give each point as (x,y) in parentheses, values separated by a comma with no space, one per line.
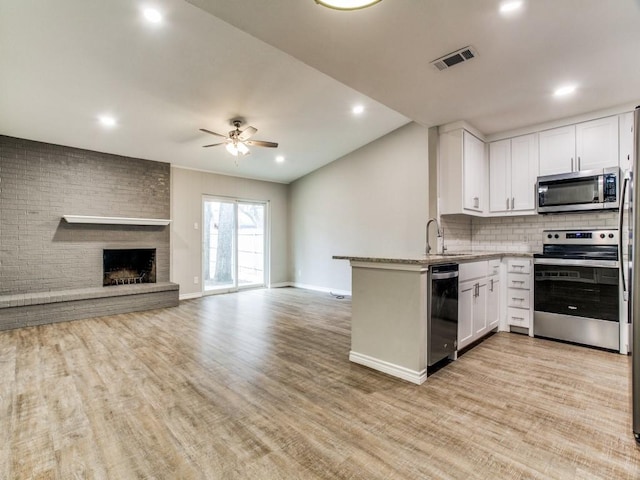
(634,273)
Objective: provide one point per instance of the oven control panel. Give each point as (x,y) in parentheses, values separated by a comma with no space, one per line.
(580,237)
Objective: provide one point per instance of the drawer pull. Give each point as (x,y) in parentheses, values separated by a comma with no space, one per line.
(517,281)
(517,266)
(520,299)
(518,318)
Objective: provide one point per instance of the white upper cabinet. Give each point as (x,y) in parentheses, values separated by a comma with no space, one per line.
(597,143)
(524,168)
(474,167)
(626,141)
(558,150)
(462,173)
(584,146)
(513,170)
(500,176)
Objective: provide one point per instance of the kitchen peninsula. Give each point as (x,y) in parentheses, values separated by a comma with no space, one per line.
(390,310)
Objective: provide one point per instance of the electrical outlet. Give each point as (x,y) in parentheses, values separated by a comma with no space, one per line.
(195,280)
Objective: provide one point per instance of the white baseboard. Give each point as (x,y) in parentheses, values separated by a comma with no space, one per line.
(189,296)
(404,373)
(321,289)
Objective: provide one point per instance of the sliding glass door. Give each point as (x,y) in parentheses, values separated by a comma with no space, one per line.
(233,244)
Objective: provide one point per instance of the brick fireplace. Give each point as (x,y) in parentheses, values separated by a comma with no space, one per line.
(52,270)
(128,266)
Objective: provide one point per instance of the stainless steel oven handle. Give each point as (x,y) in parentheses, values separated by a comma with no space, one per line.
(576,263)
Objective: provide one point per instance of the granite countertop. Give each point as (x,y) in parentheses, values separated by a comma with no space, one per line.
(453,257)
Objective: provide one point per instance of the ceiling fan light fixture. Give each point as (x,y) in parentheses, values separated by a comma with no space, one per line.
(237,149)
(347,4)
(242,148)
(232,149)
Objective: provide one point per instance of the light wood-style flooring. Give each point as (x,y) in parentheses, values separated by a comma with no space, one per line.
(257,385)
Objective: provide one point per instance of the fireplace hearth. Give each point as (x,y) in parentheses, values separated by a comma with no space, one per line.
(129,266)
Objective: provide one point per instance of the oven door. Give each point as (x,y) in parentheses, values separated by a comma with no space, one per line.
(577,301)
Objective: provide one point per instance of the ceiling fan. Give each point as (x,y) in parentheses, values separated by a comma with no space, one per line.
(237,142)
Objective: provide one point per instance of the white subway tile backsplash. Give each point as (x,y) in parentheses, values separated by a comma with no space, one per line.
(514,234)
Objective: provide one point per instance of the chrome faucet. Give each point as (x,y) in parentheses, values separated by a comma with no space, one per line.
(438,233)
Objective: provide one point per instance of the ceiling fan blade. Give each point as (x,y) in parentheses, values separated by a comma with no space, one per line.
(212,145)
(261,143)
(212,133)
(247,133)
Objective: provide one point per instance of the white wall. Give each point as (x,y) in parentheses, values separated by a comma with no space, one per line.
(187,189)
(372,202)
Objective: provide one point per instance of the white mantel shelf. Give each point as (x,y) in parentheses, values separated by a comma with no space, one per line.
(115,220)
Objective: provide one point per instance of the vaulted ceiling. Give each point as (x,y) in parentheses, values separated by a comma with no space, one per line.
(294,70)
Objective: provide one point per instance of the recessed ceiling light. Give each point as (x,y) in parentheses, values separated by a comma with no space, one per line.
(563,91)
(152,15)
(358,110)
(512,6)
(107,120)
(347,4)
(280,159)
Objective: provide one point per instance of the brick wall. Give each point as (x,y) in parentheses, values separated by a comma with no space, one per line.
(40,182)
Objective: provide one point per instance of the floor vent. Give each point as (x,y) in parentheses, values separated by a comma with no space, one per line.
(454,58)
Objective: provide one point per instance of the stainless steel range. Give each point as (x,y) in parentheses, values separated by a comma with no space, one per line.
(576,289)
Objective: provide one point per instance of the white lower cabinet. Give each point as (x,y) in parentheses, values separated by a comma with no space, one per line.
(519,295)
(493,302)
(466,307)
(478,300)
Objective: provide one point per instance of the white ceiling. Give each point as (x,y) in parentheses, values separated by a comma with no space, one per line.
(63,63)
(384,52)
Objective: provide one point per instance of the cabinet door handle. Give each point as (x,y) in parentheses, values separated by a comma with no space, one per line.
(578,163)
(476,202)
(507,204)
(513,202)
(491,285)
(572,164)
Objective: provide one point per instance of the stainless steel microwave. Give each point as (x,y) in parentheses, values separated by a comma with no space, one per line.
(579,191)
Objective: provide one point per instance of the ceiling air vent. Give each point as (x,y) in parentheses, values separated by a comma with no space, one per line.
(454,58)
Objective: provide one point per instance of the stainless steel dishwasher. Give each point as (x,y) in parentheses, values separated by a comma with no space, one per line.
(442,325)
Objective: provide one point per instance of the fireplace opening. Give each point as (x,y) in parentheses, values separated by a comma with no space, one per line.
(129,266)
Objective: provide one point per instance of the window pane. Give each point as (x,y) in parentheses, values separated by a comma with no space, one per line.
(250,244)
(219,237)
